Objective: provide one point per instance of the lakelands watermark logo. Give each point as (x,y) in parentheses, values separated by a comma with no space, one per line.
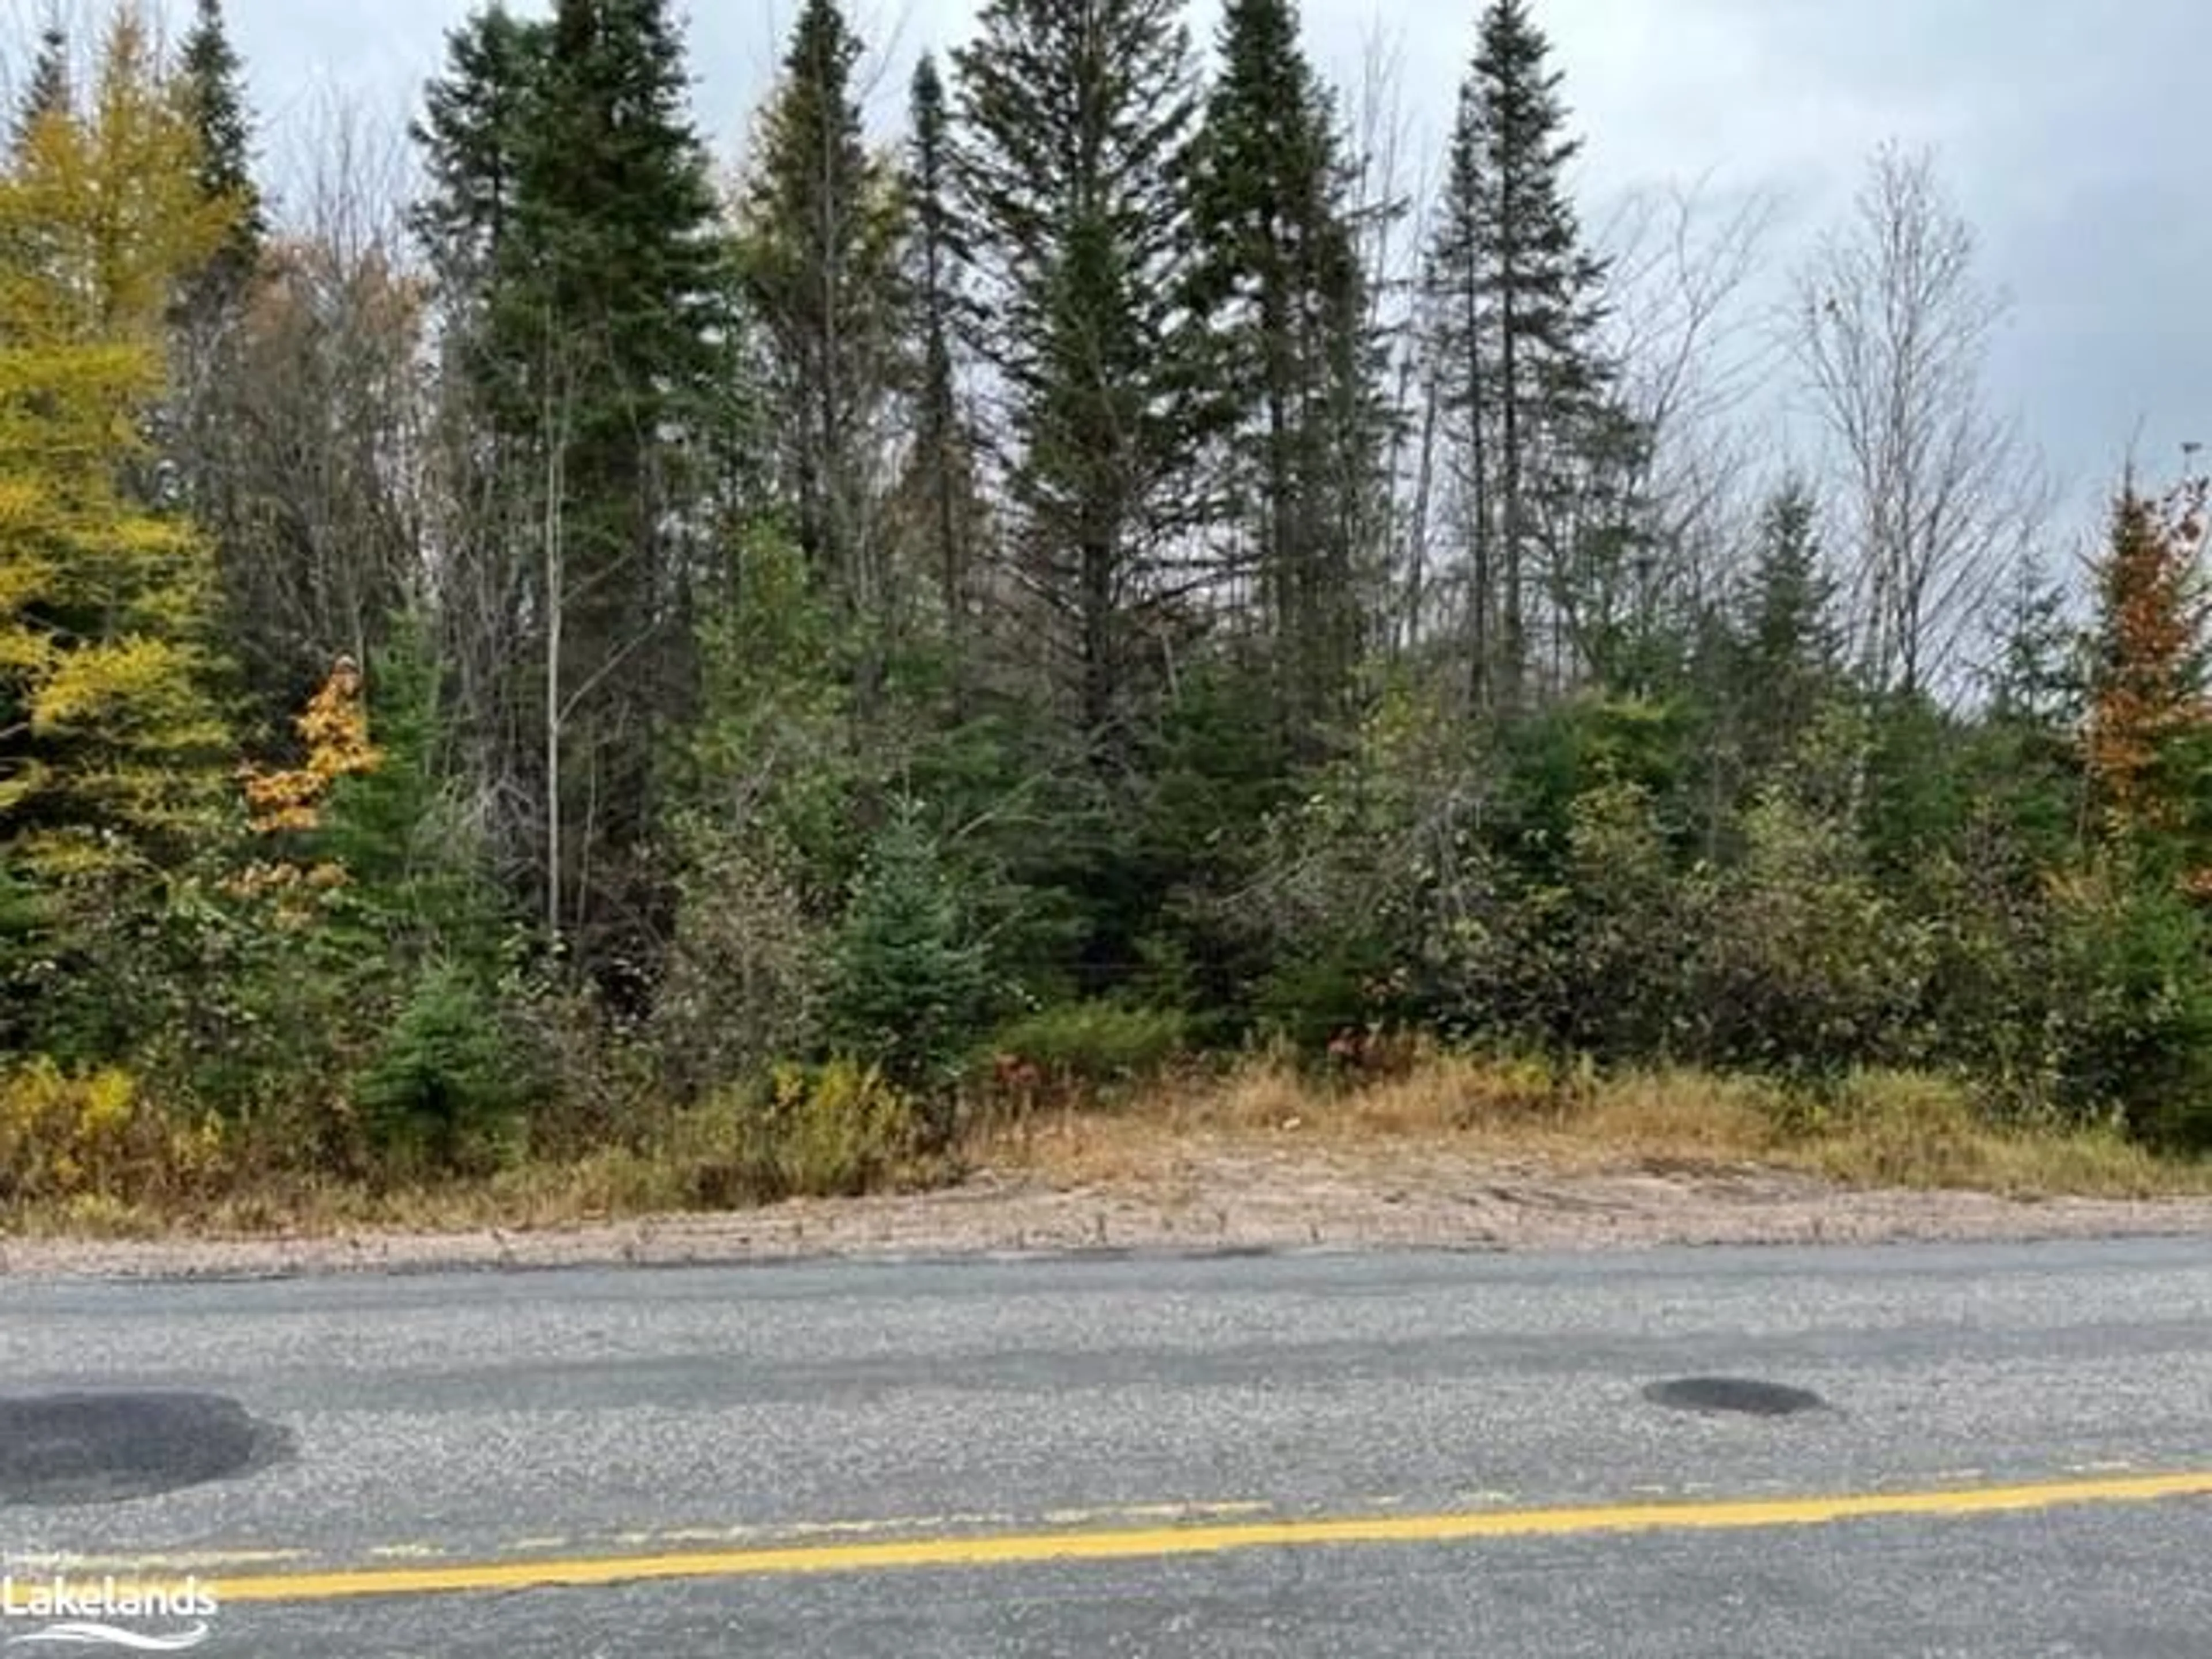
(52,1609)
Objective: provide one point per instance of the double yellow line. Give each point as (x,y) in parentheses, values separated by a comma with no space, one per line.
(1162,1542)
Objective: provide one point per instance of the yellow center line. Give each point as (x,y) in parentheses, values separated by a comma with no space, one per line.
(1151,1543)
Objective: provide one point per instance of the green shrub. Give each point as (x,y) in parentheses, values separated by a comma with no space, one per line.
(907,985)
(743,981)
(1095,1044)
(1797,960)
(1343,983)
(2131,1014)
(810,1132)
(446,1089)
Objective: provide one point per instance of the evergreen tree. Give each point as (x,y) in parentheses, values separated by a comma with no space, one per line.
(817,244)
(1518,298)
(941,474)
(2037,681)
(622,274)
(907,988)
(213,82)
(110,748)
(475,122)
(2148,740)
(47,93)
(572,226)
(1289,370)
(1074,122)
(207,427)
(1788,655)
(473,135)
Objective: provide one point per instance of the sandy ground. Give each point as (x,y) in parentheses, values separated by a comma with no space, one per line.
(1230,1197)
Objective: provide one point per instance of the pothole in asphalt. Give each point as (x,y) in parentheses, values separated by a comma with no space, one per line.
(1743,1395)
(61,1448)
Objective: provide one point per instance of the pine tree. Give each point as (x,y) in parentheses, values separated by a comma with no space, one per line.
(817,241)
(623,277)
(2037,681)
(1519,300)
(1074,122)
(472,136)
(1288,374)
(110,744)
(208,431)
(2027,777)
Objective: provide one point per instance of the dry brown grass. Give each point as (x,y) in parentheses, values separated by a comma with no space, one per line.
(1878,1130)
(1875,1130)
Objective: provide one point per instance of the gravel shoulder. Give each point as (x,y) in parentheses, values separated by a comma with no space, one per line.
(1229,1197)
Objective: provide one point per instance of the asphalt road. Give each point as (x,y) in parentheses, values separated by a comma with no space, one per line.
(1360,1454)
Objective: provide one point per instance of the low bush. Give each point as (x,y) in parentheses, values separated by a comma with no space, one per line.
(78,1136)
(444,1092)
(2130,1018)
(812,1132)
(1092,1045)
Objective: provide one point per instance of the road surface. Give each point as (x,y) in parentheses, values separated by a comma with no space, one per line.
(1962,1450)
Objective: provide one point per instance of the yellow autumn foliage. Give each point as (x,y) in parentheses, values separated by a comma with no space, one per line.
(334,729)
(72,1134)
(110,745)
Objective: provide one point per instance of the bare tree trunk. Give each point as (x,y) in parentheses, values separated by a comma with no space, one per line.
(555,602)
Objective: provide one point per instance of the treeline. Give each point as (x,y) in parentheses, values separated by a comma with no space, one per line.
(1113,572)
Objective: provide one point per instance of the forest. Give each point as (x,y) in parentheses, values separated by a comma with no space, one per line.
(579,645)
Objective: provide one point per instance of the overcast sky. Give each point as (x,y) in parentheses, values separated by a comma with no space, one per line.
(2068,133)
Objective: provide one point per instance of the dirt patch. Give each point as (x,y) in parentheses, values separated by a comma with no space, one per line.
(1215,1192)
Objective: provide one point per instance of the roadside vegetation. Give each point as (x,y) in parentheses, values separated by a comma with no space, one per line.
(563,697)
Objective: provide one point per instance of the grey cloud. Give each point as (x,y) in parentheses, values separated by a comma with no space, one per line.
(2066,131)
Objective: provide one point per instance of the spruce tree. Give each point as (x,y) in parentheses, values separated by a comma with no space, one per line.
(941,475)
(817,248)
(214,80)
(471,134)
(1074,122)
(573,228)
(621,275)
(1789,655)
(475,123)
(48,91)
(1288,374)
(1517,296)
